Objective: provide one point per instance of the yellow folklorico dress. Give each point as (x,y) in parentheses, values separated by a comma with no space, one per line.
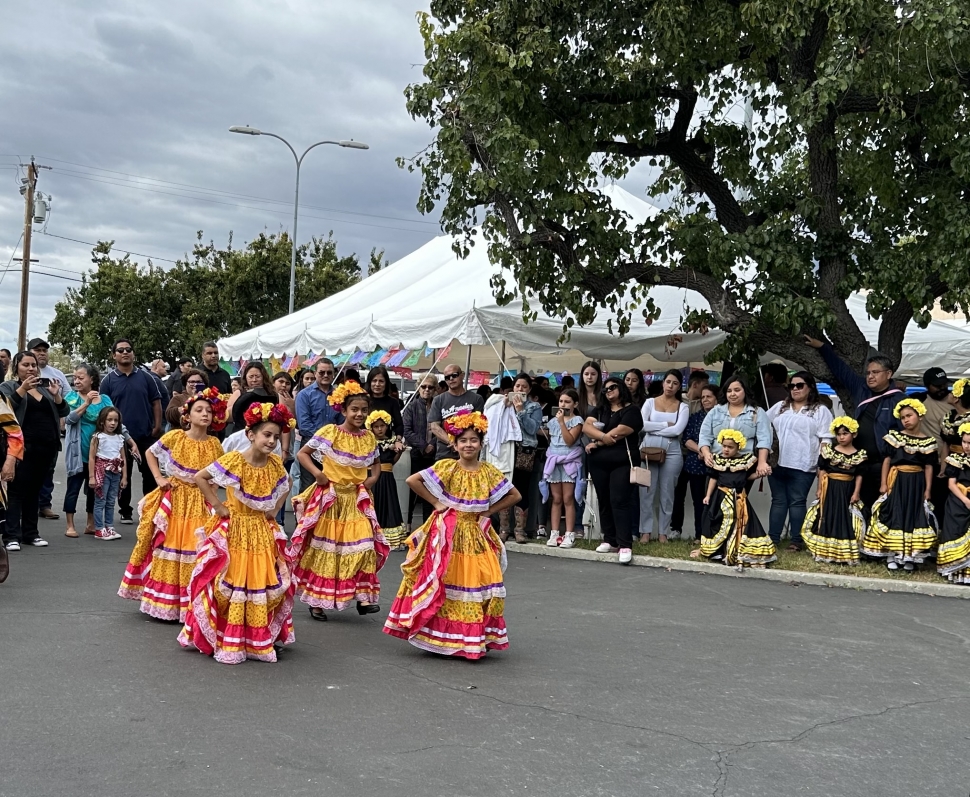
(452,598)
(338,547)
(162,561)
(241,594)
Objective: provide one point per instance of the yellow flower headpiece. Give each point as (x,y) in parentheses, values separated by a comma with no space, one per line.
(959,386)
(340,394)
(377,415)
(964,429)
(732,434)
(461,421)
(844,420)
(914,404)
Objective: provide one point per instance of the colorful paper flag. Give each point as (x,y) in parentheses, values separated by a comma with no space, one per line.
(386,357)
(398,358)
(478,378)
(445,352)
(412,359)
(358,358)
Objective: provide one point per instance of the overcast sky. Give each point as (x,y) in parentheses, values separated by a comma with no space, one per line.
(97,89)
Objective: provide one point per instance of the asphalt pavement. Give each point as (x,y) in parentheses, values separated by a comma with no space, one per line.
(619,681)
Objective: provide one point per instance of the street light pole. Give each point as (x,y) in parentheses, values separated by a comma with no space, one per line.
(350,144)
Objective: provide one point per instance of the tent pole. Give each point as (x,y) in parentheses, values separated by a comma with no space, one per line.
(468,359)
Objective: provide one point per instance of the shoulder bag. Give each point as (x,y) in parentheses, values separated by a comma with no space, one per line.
(654,454)
(638,476)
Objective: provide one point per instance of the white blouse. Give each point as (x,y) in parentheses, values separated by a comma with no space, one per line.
(800,435)
(663,428)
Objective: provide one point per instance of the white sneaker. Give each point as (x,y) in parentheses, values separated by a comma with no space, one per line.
(37,542)
(13,545)
(892,566)
(553,540)
(568,540)
(540,532)
(626,556)
(909,567)
(605,547)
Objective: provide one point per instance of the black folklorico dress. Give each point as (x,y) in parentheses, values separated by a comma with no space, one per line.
(833,525)
(953,555)
(731,530)
(387,505)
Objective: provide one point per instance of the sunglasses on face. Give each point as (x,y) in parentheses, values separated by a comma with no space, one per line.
(797,385)
(426,387)
(124,350)
(608,388)
(452,376)
(325,373)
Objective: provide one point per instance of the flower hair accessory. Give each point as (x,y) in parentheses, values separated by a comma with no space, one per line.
(964,429)
(914,404)
(959,386)
(216,400)
(844,420)
(460,421)
(339,397)
(271,413)
(732,434)
(377,415)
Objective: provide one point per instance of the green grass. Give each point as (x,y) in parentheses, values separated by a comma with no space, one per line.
(787,560)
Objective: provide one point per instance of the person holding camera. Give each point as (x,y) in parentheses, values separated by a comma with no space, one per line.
(38,409)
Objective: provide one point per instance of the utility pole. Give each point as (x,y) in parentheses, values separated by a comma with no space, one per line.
(25,260)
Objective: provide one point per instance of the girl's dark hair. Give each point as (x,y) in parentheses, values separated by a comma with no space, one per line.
(484,391)
(585,408)
(744,386)
(99,424)
(568,391)
(675,372)
(284,375)
(813,399)
(348,375)
(481,435)
(603,405)
(526,377)
(378,370)
(965,398)
(507,383)
(256,365)
(93,373)
(640,394)
(15,363)
(357,397)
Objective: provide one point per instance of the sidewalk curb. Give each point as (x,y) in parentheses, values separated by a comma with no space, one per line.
(941,590)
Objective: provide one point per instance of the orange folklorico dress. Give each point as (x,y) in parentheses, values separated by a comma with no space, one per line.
(162,561)
(241,594)
(338,547)
(452,598)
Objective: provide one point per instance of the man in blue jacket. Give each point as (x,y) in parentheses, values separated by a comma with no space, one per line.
(875,397)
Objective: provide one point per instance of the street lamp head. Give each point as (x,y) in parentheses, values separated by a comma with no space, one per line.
(249,131)
(353,144)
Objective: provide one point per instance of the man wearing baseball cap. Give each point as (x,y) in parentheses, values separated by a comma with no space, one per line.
(39,348)
(938,401)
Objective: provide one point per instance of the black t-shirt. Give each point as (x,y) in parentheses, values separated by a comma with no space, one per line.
(40,425)
(615,456)
(866,439)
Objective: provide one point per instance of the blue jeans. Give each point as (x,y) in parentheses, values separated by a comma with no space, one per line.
(104,507)
(789,491)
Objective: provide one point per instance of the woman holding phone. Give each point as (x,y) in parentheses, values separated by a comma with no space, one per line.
(193,382)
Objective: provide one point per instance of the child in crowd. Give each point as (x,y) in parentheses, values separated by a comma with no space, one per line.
(834,524)
(108,471)
(161,564)
(386,502)
(240,593)
(959,415)
(903,528)
(562,473)
(953,555)
(338,548)
(452,598)
(732,532)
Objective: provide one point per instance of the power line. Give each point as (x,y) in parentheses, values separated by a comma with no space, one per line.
(118,248)
(234,205)
(12,253)
(233,193)
(43,274)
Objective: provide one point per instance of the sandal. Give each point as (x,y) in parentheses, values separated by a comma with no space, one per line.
(318,614)
(695,554)
(796,548)
(70,533)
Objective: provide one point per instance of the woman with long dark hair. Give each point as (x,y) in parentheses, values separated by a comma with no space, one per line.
(664,420)
(737,410)
(38,409)
(378,385)
(591,385)
(257,388)
(613,428)
(801,426)
(635,384)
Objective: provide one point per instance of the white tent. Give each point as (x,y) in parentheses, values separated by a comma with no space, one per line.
(432,297)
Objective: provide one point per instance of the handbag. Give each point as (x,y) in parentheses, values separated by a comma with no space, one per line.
(655,455)
(525,457)
(638,476)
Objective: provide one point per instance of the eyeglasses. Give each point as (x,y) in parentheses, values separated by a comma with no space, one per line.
(797,385)
(875,371)
(325,373)
(124,350)
(195,382)
(426,387)
(608,388)
(453,376)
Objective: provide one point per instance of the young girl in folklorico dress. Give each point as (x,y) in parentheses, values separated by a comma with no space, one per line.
(240,593)
(338,548)
(162,562)
(953,555)
(731,530)
(903,528)
(452,598)
(386,502)
(959,415)
(834,524)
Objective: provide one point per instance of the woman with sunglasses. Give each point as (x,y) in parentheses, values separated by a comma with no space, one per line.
(417,435)
(801,426)
(614,427)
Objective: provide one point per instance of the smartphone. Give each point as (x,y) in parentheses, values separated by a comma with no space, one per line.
(44,382)
(522,396)
(199,387)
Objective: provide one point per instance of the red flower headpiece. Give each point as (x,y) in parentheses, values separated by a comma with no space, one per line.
(216,400)
(273,413)
(461,421)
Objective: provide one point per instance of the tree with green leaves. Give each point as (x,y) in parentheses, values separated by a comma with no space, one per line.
(851,171)
(216,292)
